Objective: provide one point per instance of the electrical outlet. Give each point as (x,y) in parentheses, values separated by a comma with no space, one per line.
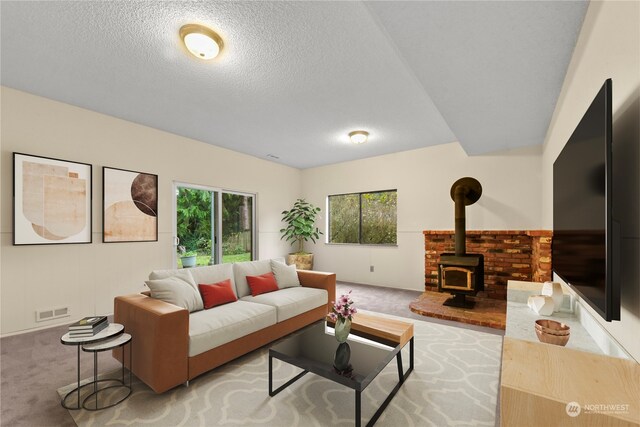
(371,269)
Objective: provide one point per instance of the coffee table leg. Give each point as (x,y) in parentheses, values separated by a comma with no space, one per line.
(273,392)
(403,375)
(270,375)
(411,355)
(358,408)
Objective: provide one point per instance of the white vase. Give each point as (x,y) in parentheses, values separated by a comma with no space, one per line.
(541,304)
(342,329)
(554,290)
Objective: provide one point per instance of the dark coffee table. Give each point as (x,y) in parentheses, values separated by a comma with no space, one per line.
(313,349)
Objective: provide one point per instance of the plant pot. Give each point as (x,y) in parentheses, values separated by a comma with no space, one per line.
(301,261)
(188,261)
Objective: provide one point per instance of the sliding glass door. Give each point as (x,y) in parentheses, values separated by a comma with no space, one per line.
(237,227)
(213,226)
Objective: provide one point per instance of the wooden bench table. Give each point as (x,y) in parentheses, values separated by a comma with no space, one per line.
(386,331)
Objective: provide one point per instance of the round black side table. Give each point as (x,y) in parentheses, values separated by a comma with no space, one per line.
(113,330)
(119,341)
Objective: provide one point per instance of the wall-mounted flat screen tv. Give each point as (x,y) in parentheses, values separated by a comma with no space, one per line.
(585,248)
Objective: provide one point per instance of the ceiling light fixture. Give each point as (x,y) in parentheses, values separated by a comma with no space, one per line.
(359,136)
(202,42)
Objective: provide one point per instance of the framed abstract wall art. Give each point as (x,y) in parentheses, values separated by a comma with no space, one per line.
(129,205)
(51,201)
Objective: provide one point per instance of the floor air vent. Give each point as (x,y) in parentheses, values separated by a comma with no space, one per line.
(51,313)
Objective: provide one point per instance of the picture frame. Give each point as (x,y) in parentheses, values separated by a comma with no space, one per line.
(129,206)
(52,201)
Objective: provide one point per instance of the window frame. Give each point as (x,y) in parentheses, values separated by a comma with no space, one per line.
(217,259)
(359,243)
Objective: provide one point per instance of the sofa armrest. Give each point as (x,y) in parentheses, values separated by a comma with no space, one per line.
(320,280)
(160,339)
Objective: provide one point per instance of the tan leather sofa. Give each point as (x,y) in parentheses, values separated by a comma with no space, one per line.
(162,338)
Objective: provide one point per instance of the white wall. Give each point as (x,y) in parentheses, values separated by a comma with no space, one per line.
(608,47)
(87,277)
(510,200)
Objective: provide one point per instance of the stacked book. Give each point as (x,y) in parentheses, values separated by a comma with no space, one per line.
(88,327)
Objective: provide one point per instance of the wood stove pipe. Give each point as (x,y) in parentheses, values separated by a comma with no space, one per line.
(464,192)
(460,221)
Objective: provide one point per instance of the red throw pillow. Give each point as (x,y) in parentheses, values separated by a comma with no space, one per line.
(217,293)
(262,284)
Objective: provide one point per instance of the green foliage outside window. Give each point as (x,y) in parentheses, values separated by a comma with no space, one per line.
(379,218)
(236,224)
(344,218)
(194,219)
(366,218)
(194,224)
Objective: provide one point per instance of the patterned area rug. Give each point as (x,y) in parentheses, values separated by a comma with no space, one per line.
(455,382)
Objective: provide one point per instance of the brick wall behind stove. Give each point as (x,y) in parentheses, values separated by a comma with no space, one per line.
(508,255)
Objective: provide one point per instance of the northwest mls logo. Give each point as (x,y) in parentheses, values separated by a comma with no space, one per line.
(573,409)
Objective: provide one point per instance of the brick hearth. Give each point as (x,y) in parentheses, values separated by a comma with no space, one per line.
(508,255)
(489,312)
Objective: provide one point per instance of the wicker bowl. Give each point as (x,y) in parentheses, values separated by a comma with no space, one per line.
(552,332)
(552,327)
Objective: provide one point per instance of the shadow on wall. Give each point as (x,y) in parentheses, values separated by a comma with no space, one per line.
(501,210)
(626,203)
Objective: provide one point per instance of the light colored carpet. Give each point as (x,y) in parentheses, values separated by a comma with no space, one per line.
(455,382)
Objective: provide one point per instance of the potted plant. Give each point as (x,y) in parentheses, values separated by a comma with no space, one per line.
(301,227)
(188,258)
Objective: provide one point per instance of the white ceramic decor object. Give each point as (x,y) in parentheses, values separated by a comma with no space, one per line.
(554,290)
(541,304)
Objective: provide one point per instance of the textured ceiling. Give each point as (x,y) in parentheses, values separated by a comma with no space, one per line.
(296,77)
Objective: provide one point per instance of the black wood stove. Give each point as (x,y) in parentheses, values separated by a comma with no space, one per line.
(460,273)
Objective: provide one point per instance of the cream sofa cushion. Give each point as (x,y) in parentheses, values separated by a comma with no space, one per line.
(222,324)
(249,268)
(286,275)
(176,290)
(291,301)
(213,274)
(181,273)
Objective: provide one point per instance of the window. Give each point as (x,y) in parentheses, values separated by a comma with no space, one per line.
(216,226)
(364,218)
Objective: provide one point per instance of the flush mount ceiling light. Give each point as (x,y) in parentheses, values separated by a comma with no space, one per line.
(202,42)
(359,136)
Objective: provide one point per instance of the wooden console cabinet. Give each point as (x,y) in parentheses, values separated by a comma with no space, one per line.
(539,381)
